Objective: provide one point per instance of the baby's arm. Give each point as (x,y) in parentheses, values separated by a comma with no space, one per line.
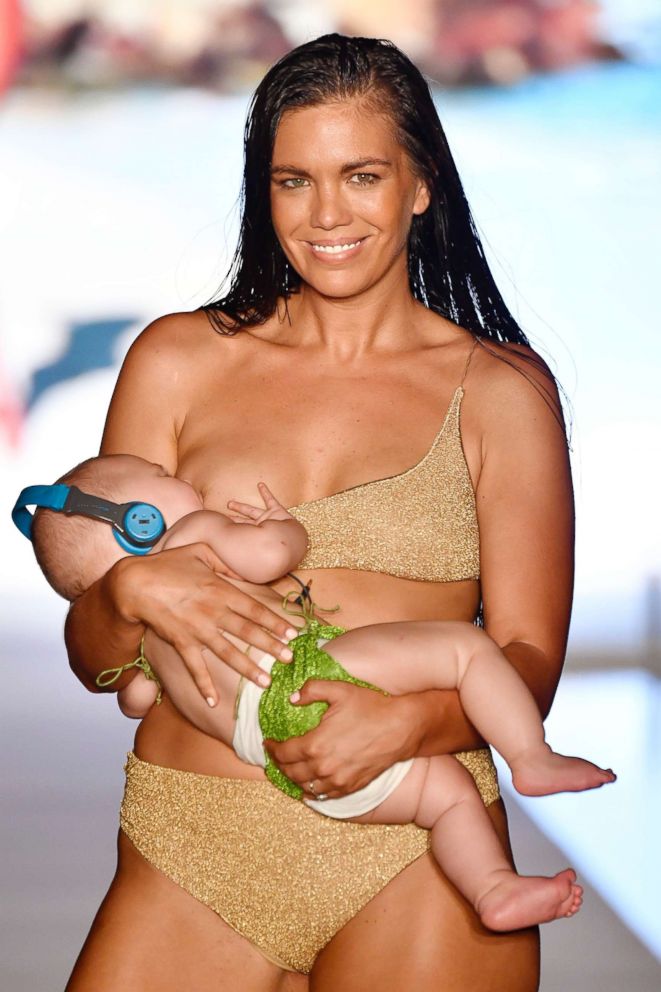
(259,544)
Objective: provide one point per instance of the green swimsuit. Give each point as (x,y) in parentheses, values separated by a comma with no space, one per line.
(278,718)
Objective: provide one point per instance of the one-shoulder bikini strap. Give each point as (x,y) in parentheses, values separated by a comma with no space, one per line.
(468,360)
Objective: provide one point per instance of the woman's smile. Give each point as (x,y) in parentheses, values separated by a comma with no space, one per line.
(334,252)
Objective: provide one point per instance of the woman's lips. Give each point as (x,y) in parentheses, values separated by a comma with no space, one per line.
(331,252)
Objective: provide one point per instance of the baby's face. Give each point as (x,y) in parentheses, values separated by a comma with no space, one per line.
(147,482)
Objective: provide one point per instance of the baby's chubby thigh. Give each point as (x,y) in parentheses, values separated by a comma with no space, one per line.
(383,654)
(368,653)
(430,787)
(409,656)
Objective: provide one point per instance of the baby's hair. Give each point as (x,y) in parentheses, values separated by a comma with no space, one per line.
(67,548)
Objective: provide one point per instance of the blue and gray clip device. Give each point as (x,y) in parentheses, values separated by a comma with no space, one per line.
(137,526)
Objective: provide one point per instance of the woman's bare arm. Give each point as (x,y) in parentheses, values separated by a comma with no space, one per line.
(526,518)
(525,514)
(181,593)
(96,634)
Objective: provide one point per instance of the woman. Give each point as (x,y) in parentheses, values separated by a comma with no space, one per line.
(360,303)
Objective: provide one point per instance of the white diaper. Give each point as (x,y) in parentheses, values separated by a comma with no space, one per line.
(247,740)
(248,746)
(365,799)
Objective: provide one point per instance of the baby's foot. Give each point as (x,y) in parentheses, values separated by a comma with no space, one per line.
(540,772)
(518,901)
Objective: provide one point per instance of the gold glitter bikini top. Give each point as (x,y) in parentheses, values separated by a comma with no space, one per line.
(420,524)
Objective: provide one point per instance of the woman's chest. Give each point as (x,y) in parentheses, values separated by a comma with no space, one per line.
(305,433)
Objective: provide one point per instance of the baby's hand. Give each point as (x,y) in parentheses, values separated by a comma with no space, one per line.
(244,513)
(138,697)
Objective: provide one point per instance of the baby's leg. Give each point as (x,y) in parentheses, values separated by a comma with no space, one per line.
(418,655)
(439,794)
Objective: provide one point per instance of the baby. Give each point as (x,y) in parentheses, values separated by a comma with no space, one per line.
(261,544)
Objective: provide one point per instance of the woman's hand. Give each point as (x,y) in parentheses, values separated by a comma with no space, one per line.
(181,595)
(360,735)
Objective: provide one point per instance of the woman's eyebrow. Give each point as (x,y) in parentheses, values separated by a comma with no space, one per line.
(361,163)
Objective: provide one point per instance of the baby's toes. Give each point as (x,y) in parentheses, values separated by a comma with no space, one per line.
(575,900)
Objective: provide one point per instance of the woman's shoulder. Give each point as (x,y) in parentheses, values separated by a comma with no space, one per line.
(180,341)
(511,400)
(514,379)
(198,329)
(175,331)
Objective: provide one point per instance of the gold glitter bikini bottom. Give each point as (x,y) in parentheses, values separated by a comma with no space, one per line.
(283,876)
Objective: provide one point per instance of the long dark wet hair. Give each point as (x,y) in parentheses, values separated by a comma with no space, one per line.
(447,268)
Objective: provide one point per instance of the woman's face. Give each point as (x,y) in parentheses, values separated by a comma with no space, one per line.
(342,196)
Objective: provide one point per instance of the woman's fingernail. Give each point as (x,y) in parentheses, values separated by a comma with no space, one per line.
(211,701)
(295,696)
(286,654)
(264,679)
(291,633)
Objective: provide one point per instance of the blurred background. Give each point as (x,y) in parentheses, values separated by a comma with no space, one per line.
(120,165)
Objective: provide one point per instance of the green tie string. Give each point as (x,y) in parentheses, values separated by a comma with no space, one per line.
(110,675)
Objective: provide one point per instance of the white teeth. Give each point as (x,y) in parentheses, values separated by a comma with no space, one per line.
(334,249)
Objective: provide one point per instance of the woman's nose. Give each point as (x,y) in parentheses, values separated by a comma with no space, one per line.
(329,209)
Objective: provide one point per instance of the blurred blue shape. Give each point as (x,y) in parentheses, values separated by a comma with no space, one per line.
(90,345)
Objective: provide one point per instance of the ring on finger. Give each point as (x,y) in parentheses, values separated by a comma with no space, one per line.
(321,798)
(311,788)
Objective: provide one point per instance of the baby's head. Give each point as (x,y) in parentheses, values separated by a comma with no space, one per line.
(73,551)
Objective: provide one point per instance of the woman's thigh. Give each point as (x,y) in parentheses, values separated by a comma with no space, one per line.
(151,936)
(419,933)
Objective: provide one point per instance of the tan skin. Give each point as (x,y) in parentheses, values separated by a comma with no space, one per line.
(352,388)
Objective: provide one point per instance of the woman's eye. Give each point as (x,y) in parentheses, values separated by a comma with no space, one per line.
(358,179)
(295,183)
(364,179)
